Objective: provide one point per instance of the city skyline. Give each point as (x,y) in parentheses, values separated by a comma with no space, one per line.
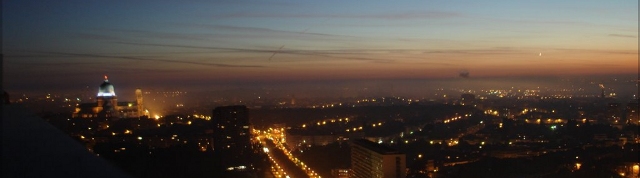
(211,44)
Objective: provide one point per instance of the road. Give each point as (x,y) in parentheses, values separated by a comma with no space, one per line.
(284,164)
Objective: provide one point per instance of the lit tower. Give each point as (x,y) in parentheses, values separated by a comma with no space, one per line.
(107,99)
(139,102)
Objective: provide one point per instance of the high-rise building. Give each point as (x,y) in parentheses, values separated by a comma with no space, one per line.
(231,128)
(232,146)
(369,159)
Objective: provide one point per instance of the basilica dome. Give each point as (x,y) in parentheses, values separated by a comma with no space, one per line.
(106,89)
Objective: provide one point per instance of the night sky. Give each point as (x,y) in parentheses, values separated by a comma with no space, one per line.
(65,45)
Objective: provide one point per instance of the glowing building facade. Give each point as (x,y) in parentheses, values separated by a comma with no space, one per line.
(107,105)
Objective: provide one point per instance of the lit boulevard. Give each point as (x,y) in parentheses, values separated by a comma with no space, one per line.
(273,140)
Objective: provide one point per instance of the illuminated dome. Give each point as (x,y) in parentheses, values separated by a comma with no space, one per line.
(106,89)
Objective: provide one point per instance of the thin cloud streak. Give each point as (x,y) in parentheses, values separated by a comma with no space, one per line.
(215,33)
(340,53)
(31,64)
(90,36)
(256,29)
(621,35)
(147,59)
(385,16)
(333,51)
(166,35)
(564,23)
(293,52)
(599,51)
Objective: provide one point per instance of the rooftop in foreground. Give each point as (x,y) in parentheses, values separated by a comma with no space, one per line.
(31,147)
